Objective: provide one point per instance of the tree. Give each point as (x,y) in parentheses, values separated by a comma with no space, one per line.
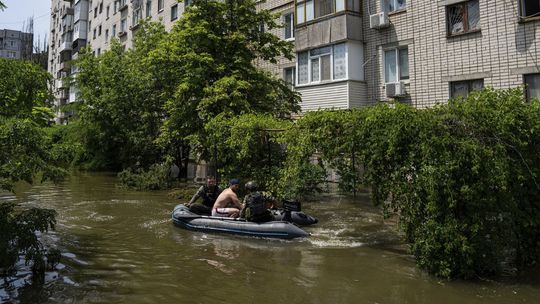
(211,54)
(121,109)
(25,152)
(2,6)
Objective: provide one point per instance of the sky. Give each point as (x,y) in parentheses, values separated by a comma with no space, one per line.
(15,16)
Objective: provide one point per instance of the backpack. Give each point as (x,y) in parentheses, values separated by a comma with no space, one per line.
(255,205)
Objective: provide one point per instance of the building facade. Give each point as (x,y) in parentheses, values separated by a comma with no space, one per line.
(16,44)
(352,53)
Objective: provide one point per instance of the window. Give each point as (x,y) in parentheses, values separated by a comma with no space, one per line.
(463,17)
(98,52)
(148,8)
(288,21)
(307,10)
(394,5)
(108,10)
(101,7)
(188,3)
(160,5)
(530,8)
(532,83)
(99,30)
(396,65)
(106,36)
(95,12)
(114,30)
(174,12)
(94,37)
(115,10)
(137,15)
(123,25)
(11,54)
(322,64)
(289,75)
(463,88)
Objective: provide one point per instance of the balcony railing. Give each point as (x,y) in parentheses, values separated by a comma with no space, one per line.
(66,46)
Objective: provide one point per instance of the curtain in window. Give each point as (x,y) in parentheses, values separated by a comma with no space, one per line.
(300,13)
(340,64)
(326,67)
(303,68)
(455,19)
(289,26)
(309,10)
(390,68)
(315,69)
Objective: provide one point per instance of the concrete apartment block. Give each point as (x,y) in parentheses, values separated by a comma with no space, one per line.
(16,44)
(352,53)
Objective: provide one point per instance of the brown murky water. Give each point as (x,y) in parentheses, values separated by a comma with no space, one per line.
(120,247)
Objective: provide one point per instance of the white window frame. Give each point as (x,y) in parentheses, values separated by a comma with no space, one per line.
(123,25)
(291,38)
(311,57)
(398,66)
(385,5)
(469,84)
(160,5)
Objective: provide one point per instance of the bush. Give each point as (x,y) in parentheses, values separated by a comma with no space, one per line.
(155,178)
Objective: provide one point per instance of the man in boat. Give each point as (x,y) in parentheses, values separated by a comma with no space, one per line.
(227,204)
(208,193)
(257,204)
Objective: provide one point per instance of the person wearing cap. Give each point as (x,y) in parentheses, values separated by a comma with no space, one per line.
(227,204)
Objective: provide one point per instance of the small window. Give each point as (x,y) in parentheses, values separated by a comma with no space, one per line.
(123,25)
(99,30)
(289,75)
(114,30)
(532,83)
(115,8)
(463,88)
(463,17)
(530,8)
(101,7)
(95,12)
(98,52)
(174,12)
(394,5)
(187,3)
(288,21)
(94,36)
(396,65)
(108,10)
(106,36)
(148,8)
(160,5)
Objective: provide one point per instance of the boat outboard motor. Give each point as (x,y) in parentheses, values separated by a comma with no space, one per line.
(290,206)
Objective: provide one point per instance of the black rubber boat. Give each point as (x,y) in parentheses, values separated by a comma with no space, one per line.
(184,218)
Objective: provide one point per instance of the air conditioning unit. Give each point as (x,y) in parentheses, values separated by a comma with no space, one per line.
(395,89)
(379,20)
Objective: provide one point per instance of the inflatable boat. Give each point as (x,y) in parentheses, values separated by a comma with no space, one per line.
(181,216)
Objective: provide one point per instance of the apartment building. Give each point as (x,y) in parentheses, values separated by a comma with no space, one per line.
(16,44)
(76,24)
(352,53)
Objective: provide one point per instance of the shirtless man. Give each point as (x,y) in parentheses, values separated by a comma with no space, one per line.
(227,203)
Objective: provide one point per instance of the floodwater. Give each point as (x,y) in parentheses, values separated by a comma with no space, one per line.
(120,246)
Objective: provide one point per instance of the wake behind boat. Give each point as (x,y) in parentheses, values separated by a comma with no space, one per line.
(184,218)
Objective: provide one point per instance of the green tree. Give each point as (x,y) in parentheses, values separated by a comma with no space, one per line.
(211,53)
(2,6)
(24,91)
(24,154)
(122,108)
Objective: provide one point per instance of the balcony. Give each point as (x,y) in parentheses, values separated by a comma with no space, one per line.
(80,30)
(122,34)
(63,94)
(63,83)
(66,46)
(65,66)
(68,12)
(328,30)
